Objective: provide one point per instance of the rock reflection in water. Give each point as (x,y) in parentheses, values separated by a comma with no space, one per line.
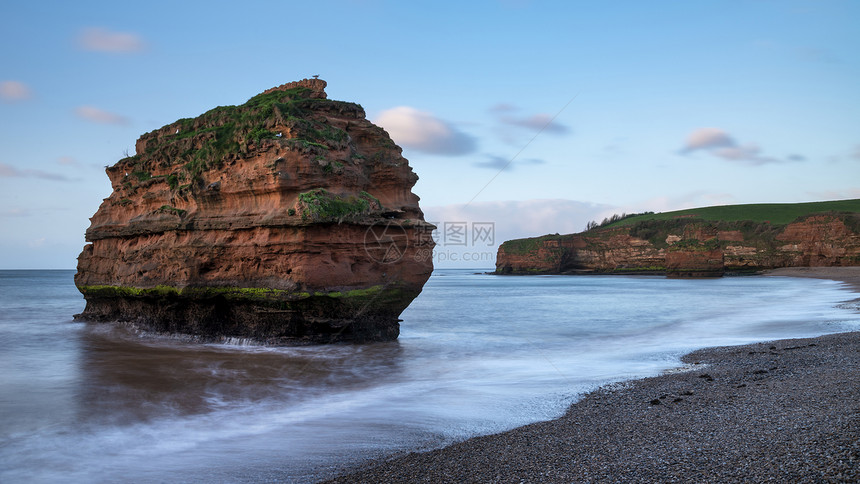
(128,379)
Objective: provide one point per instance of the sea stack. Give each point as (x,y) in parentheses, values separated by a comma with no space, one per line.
(287,219)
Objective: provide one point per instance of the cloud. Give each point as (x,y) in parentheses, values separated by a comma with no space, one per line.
(748,152)
(537,122)
(96,115)
(513,219)
(495,162)
(847,194)
(421,131)
(502,108)
(615,146)
(814,54)
(721,144)
(9,171)
(540,122)
(519,218)
(11,91)
(856,154)
(707,138)
(16,212)
(97,39)
(479,228)
(69,161)
(36,243)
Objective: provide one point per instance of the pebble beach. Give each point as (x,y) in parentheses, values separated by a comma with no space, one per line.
(781,411)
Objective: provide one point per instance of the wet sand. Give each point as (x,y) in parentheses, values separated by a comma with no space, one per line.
(849,275)
(785,411)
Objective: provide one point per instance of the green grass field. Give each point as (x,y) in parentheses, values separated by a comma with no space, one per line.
(775,213)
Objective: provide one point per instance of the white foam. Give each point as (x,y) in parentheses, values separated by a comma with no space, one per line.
(477,355)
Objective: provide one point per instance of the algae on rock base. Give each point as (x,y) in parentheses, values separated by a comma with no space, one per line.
(268,316)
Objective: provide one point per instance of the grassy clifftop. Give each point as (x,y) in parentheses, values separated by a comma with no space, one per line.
(773,213)
(735,238)
(758,216)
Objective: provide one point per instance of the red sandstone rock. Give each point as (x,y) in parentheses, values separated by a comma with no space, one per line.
(289,218)
(692,248)
(695,262)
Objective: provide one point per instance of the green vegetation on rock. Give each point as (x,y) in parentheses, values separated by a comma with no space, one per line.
(207,141)
(258,294)
(141,175)
(648,269)
(172,181)
(320,205)
(656,231)
(171,210)
(751,237)
(526,246)
(259,133)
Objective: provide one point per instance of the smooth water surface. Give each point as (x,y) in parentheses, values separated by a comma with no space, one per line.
(477,354)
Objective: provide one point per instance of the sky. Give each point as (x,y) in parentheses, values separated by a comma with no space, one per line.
(523,117)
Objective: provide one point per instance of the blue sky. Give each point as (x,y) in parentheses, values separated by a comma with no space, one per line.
(535,116)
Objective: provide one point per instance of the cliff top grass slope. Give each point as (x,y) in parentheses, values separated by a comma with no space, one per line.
(707,241)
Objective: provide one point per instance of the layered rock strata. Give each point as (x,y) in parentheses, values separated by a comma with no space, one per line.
(687,247)
(287,219)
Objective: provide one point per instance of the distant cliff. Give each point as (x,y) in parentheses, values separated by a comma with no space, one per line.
(688,245)
(289,218)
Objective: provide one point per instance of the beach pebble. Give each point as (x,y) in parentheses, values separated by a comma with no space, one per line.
(801,424)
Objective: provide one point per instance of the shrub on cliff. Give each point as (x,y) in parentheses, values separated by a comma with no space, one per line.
(320,205)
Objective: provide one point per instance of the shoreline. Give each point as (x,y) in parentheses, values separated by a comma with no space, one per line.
(787,410)
(847,275)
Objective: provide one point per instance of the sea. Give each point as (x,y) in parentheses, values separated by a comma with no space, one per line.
(478,354)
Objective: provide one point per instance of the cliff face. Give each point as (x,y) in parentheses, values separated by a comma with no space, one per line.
(289,218)
(689,248)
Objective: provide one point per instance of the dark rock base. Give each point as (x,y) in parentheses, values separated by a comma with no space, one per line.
(311,321)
